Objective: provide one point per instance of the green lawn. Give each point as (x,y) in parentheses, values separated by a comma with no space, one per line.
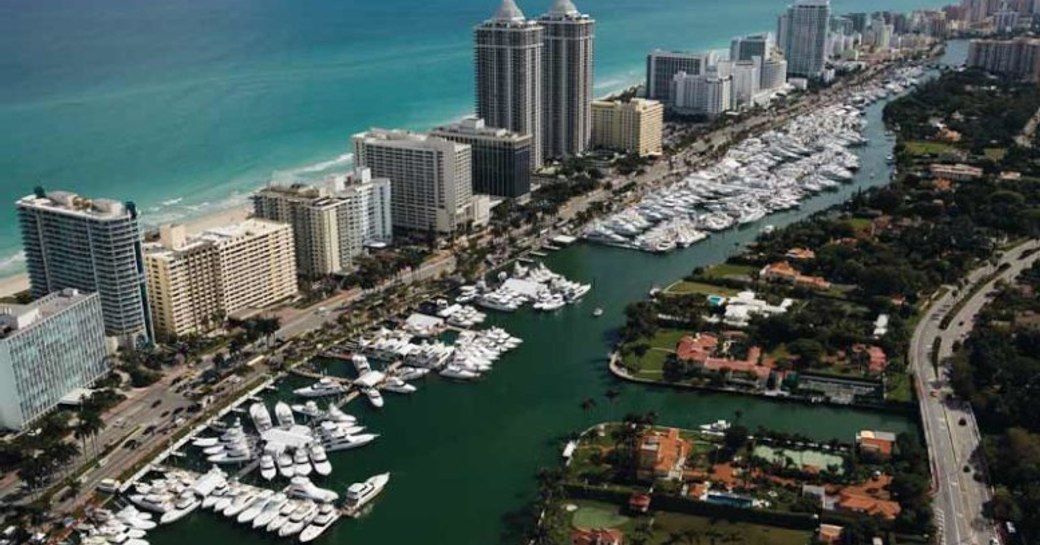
(996,154)
(677,528)
(898,387)
(728,270)
(859,224)
(922,147)
(685,287)
(651,364)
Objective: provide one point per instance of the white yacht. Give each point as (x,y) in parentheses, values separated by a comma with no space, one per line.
(374,397)
(151,502)
(185,504)
(244,501)
(320,459)
(361,364)
(285,465)
(261,418)
(301,463)
(133,518)
(257,507)
(284,414)
(360,494)
(300,518)
(411,373)
(310,410)
(339,417)
(326,517)
(457,372)
(283,515)
(350,442)
(324,387)
(398,386)
(267,468)
(303,488)
(270,510)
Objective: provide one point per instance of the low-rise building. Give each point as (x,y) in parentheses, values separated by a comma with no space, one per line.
(880,443)
(194,283)
(782,271)
(958,172)
(633,126)
(48,349)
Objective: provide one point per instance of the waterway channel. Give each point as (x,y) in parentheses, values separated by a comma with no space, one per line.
(463,456)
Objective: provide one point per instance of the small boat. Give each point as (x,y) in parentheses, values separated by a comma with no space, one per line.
(267,467)
(597,313)
(360,494)
(326,517)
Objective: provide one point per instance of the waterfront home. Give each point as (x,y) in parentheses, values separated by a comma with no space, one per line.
(741,307)
(879,443)
(871,497)
(662,455)
(958,172)
(597,536)
(704,350)
(782,271)
(873,356)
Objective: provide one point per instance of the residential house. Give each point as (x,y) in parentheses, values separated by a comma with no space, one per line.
(880,443)
(662,455)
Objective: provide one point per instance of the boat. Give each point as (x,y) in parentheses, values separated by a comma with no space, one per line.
(335,414)
(267,467)
(284,414)
(360,494)
(242,502)
(326,517)
(320,459)
(309,409)
(257,507)
(374,397)
(285,465)
(300,518)
(261,418)
(324,387)
(283,515)
(205,442)
(719,426)
(185,504)
(301,463)
(361,364)
(133,518)
(411,373)
(597,313)
(350,442)
(270,510)
(398,386)
(151,502)
(218,494)
(303,488)
(457,372)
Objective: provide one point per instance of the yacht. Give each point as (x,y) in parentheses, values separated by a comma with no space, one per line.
(267,468)
(301,463)
(360,494)
(283,515)
(457,372)
(244,501)
(374,397)
(303,488)
(284,415)
(285,465)
(320,459)
(398,386)
(324,387)
(151,502)
(299,518)
(270,510)
(261,418)
(257,507)
(184,505)
(338,416)
(411,373)
(309,409)
(232,454)
(350,442)
(361,364)
(327,516)
(218,494)
(133,518)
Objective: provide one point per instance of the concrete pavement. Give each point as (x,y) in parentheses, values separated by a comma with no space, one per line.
(958,469)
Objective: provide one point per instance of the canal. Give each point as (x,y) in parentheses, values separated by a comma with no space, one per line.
(463,456)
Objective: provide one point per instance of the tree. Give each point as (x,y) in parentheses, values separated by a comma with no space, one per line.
(735,437)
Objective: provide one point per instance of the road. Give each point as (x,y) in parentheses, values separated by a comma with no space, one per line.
(959,474)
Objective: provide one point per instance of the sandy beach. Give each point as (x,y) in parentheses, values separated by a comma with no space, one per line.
(12,285)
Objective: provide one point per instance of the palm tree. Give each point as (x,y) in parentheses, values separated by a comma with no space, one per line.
(588,404)
(61,453)
(612,395)
(93,424)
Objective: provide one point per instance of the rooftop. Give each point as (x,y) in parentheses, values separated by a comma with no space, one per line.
(15,318)
(73,204)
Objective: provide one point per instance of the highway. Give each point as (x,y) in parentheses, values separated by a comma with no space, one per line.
(960,483)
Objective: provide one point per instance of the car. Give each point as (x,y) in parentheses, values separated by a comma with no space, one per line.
(963,421)
(156,403)
(165,414)
(131,444)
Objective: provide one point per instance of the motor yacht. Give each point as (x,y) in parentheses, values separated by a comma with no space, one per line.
(286,468)
(283,413)
(301,463)
(310,410)
(360,494)
(298,520)
(374,397)
(270,510)
(261,418)
(398,386)
(303,488)
(326,517)
(350,442)
(319,459)
(324,387)
(267,468)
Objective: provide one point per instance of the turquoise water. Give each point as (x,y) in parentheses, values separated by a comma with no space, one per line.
(187,105)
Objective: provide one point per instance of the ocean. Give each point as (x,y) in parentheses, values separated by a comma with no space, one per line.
(185,106)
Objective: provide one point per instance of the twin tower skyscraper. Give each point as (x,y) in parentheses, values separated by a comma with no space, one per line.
(534,76)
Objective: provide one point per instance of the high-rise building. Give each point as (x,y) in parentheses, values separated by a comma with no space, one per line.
(566,80)
(634,126)
(859,21)
(331,225)
(194,283)
(747,47)
(89,245)
(1017,58)
(509,68)
(1005,20)
(710,93)
(431,177)
(747,80)
(661,66)
(774,74)
(48,349)
(501,158)
(806,40)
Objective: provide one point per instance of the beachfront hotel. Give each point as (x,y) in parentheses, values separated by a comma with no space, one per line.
(803,37)
(710,93)
(501,163)
(331,225)
(49,349)
(89,245)
(633,126)
(508,51)
(194,283)
(431,178)
(746,48)
(662,66)
(567,80)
